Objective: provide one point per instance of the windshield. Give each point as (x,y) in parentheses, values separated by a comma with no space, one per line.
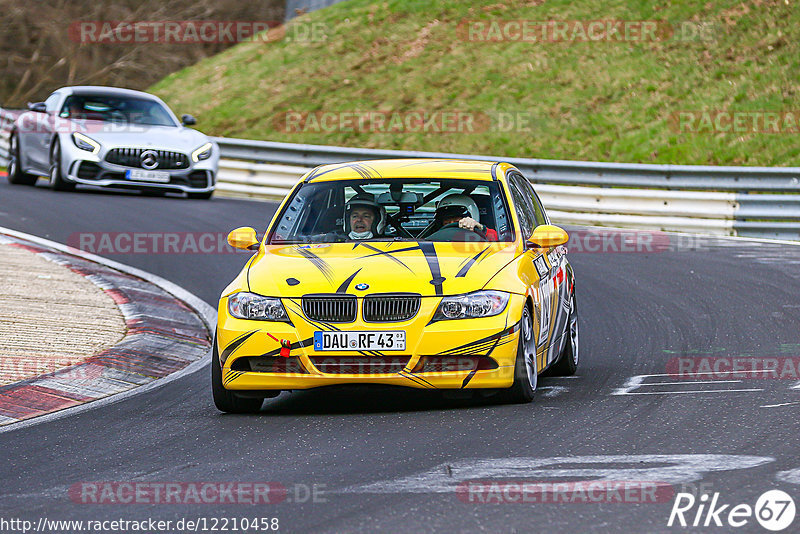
(119,109)
(394,209)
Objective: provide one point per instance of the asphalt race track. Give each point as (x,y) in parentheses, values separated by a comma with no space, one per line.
(389,460)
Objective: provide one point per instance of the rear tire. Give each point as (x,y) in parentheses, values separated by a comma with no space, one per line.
(567,362)
(525,374)
(15,174)
(225,400)
(56,177)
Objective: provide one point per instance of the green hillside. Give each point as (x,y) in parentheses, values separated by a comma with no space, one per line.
(570,98)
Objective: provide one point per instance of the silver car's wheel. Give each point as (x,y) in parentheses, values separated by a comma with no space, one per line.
(15,174)
(56,178)
(525,373)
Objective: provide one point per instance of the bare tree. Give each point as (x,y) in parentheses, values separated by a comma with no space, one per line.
(41,47)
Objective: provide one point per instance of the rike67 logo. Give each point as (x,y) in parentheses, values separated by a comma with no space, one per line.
(774,510)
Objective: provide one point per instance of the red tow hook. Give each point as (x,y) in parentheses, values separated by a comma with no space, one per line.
(286,345)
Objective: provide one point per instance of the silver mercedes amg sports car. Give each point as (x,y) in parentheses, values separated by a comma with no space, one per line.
(106,136)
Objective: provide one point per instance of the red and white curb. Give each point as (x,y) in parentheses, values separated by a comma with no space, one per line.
(168,336)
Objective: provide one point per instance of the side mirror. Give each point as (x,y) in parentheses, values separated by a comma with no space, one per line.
(244,238)
(38,107)
(546,236)
(188,120)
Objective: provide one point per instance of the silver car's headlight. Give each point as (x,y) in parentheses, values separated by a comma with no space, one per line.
(84,142)
(204,152)
(471,305)
(244,305)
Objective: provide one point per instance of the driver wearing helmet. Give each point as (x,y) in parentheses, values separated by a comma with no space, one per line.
(364,218)
(460,210)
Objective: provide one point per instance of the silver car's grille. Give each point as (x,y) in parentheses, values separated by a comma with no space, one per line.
(132,157)
(333,308)
(390,307)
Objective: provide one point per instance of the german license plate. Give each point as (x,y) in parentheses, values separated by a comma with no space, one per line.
(383,340)
(147,176)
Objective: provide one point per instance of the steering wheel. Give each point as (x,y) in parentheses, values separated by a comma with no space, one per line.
(462,235)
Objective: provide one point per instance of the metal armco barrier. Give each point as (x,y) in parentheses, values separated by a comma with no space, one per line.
(745,201)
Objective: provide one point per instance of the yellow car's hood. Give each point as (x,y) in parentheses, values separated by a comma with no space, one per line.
(427,268)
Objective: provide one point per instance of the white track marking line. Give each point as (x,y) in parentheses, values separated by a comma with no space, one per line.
(691,382)
(781,404)
(693,391)
(206,313)
(638,381)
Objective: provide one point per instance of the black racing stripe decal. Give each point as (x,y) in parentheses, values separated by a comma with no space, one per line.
(343,288)
(429,250)
(417,379)
(365,171)
(235,344)
(388,254)
(231,376)
(409,373)
(468,378)
(318,262)
(465,269)
(503,333)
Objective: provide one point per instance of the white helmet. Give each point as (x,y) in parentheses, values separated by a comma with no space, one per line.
(366,200)
(469,207)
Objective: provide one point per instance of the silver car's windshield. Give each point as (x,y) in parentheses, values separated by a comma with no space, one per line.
(118,109)
(396,209)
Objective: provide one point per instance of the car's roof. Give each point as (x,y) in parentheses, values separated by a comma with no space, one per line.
(103,90)
(409,168)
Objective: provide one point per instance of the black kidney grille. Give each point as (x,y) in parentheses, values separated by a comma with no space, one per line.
(334,308)
(390,307)
(132,157)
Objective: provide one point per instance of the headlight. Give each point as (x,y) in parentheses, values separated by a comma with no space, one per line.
(85,143)
(204,152)
(246,305)
(471,305)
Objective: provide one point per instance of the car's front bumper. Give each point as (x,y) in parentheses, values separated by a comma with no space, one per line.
(470,353)
(83,167)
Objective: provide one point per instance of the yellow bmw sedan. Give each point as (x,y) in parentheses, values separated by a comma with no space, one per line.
(435,274)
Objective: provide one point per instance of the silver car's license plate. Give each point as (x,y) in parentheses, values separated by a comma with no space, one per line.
(380,340)
(147,176)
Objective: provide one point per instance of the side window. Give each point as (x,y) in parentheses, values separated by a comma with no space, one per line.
(524,214)
(51,102)
(539,214)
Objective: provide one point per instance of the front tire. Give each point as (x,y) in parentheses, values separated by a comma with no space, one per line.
(200,196)
(225,400)
(567,363)
(56,176)
(525,373)
(15,174)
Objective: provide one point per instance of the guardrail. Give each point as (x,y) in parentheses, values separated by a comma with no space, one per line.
(6,119)
(746,201)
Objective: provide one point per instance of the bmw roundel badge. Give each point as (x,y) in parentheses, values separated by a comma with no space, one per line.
(362,287)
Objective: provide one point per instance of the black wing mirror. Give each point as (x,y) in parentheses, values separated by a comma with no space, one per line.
(188,120)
